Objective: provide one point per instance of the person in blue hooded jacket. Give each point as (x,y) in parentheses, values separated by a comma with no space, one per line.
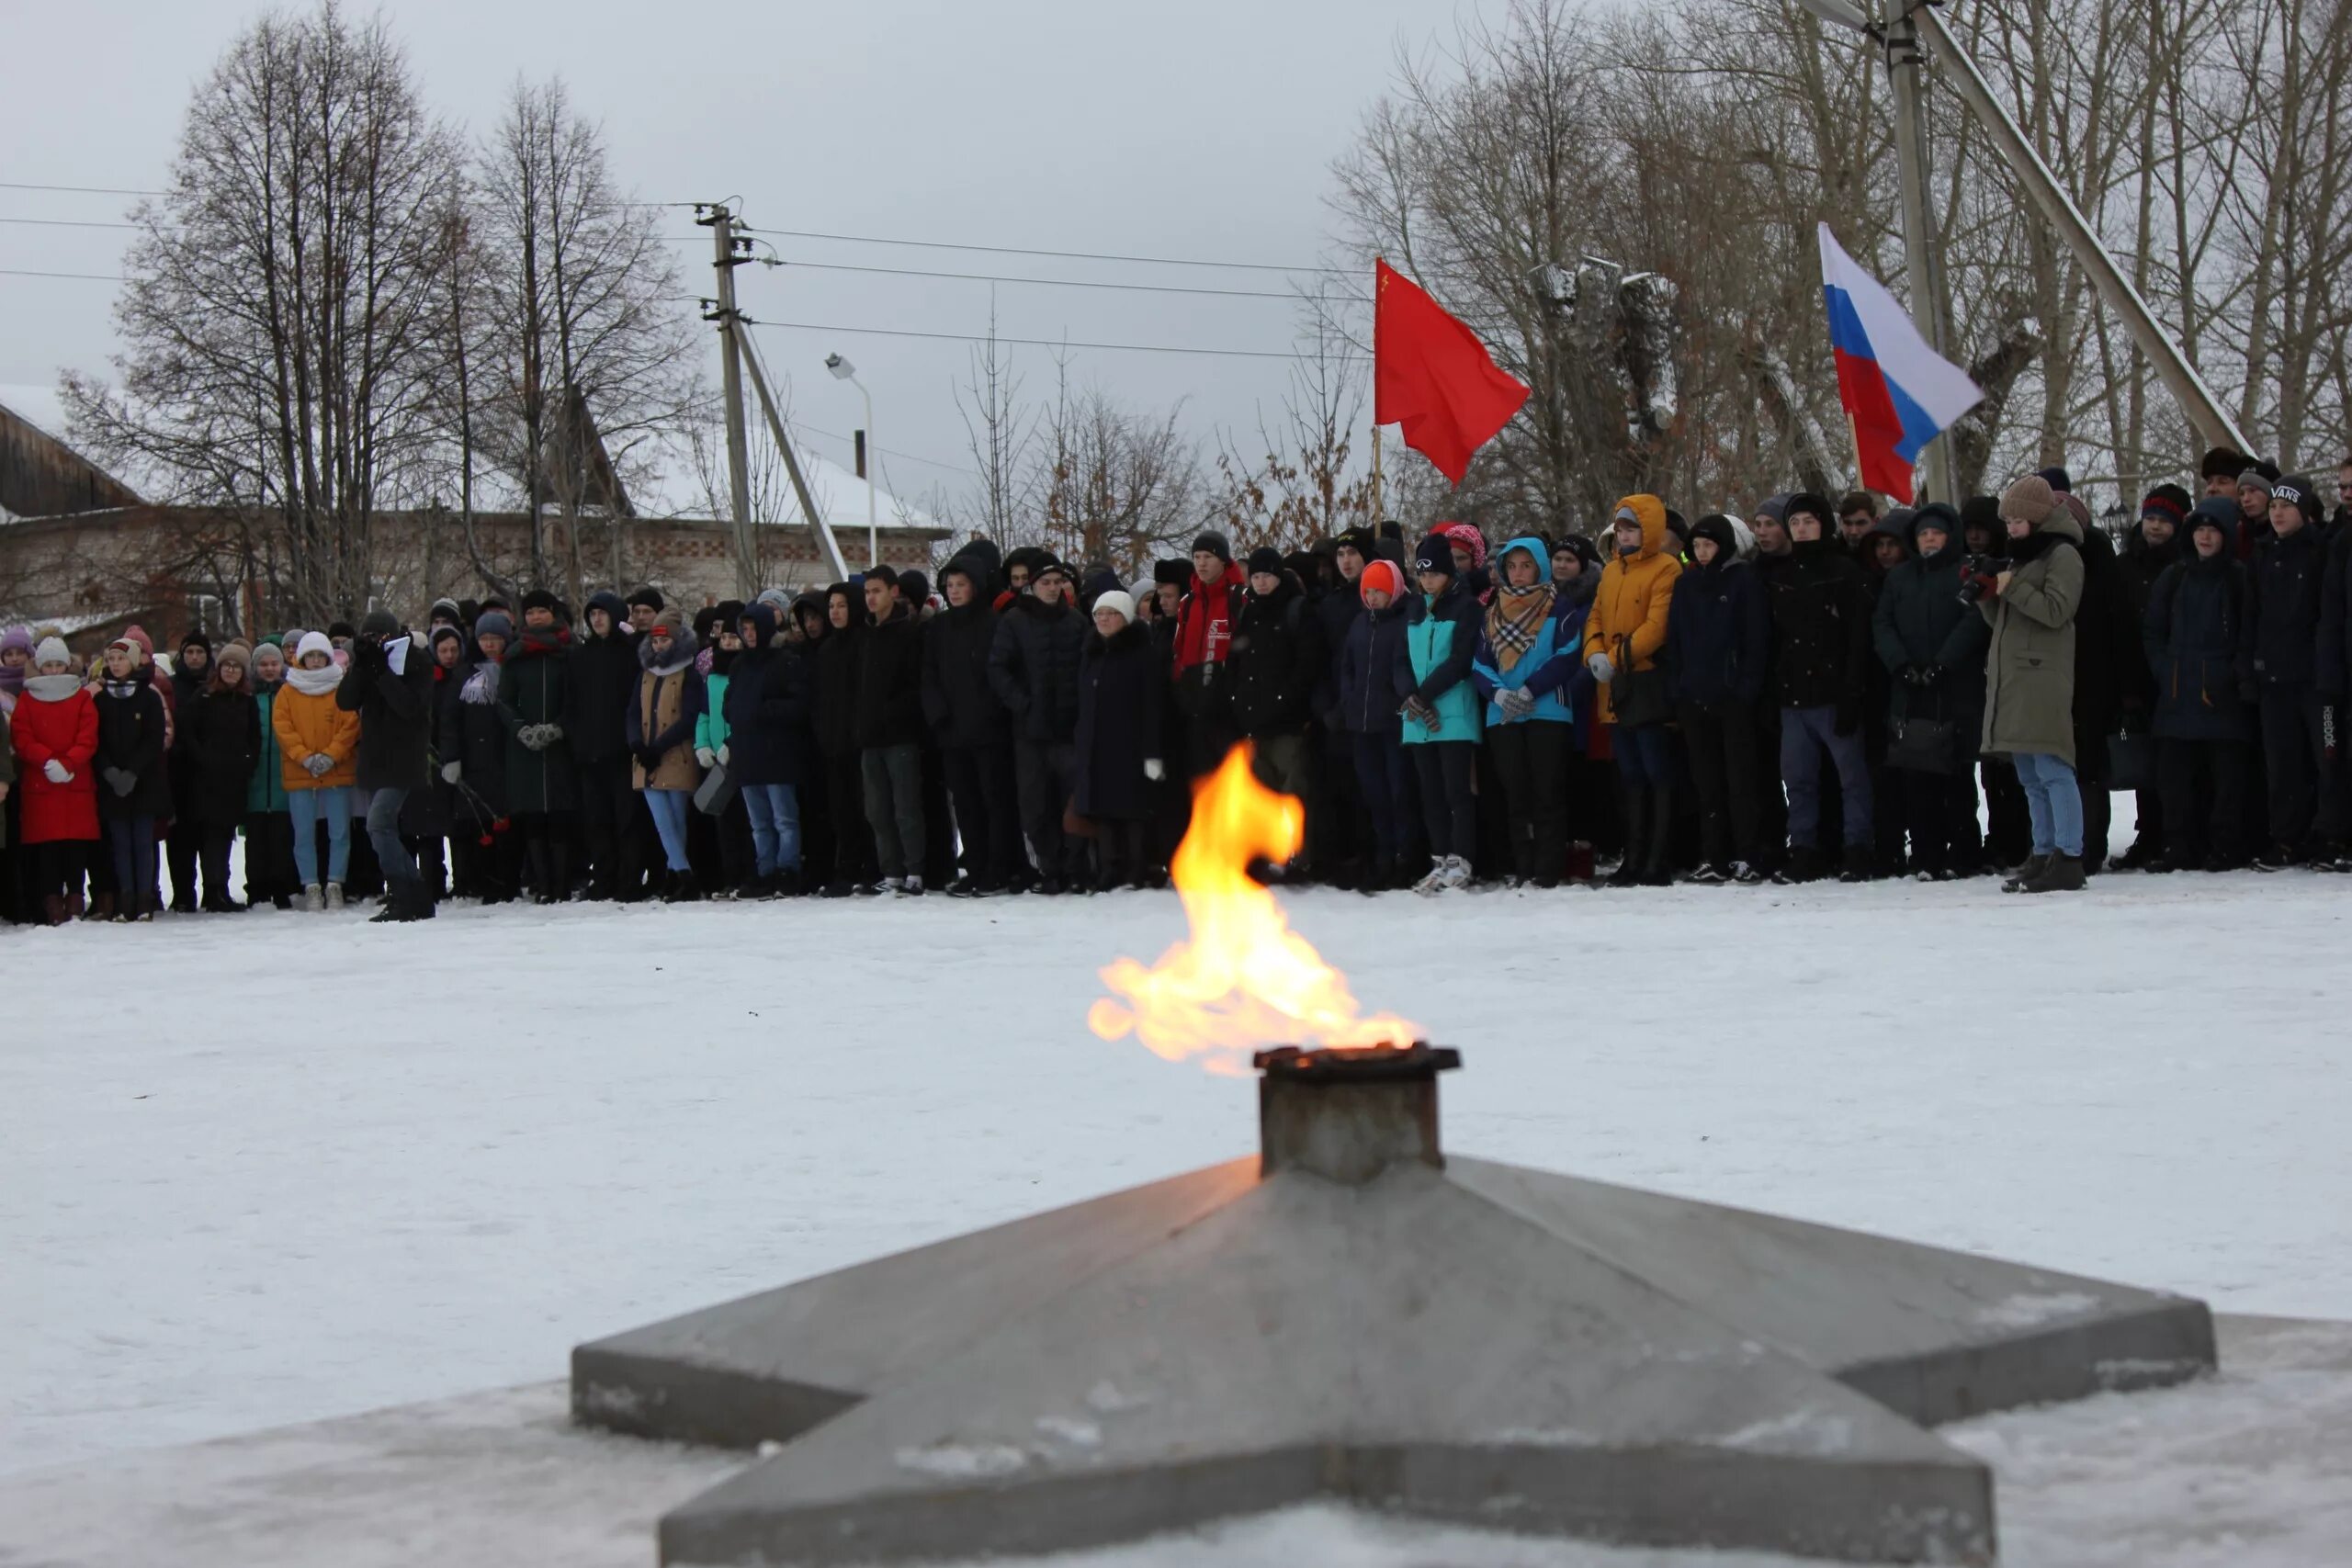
(1526,666)
(1442,711)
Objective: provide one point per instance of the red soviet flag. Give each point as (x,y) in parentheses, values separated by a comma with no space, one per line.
(1431,374)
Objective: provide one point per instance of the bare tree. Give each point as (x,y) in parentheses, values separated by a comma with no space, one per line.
(998,432)
(1110,485)
(589,345)
(279,316)
(1305,485)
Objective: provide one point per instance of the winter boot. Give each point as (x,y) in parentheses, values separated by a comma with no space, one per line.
(1580,861)
(335,895)
(2063,874)
(74,909)
(1805,865)
(1858,863)
(53,909)
(102,907)
(911,888)
(1436,878)
(1636,808)
(1657,865)
(315,899)
(2033,867)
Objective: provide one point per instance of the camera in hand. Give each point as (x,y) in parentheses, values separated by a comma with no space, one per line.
(1978,574)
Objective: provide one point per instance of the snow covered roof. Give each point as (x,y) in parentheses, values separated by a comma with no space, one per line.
(687,478)
(37,406)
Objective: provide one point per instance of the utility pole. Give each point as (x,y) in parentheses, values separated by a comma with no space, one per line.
(1903,64)
(817,523)
(725,258)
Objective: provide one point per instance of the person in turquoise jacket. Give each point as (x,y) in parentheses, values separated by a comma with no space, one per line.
(1441,712)
(1525,667)
(736,866)
(268,824)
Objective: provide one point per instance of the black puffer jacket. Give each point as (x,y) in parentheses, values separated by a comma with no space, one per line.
(958,699)
(767,707)
(131,741)
(1277,662)
(837,689)
(221,734)
(2289,574)
(2199,642)
(1033,667)
(395,709)
(601,686)
(889,682)
(1820,601)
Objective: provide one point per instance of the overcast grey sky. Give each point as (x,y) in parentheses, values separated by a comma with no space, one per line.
(1202,130)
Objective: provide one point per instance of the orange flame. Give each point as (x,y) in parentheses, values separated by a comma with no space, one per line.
(1245,979)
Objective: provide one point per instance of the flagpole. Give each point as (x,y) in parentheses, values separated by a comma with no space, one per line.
(1378,512)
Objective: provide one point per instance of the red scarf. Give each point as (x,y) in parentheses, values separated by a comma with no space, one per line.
(1204,623)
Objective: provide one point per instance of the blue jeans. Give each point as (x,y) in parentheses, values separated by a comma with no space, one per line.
(2054,802)
(1644,756)
(669,808)
(775,811)
(132,840)
(384,834)
(1805,734)
(309,808)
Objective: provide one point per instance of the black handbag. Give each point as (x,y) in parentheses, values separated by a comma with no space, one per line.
(717,792)
(1924,745)
(1640,696)
(2131,761)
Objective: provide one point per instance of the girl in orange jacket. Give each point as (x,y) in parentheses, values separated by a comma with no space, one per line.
(1624,636)
(318,745)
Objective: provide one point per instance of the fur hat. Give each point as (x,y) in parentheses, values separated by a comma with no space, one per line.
(2030,499)
(1217,544)
(2221,463)
(1117,599)
(1179,572)
(344,629)
(646,595)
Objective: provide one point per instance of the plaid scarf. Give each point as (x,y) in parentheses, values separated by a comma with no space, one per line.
(1516,619)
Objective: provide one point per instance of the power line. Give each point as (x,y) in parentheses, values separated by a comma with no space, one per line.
(1066,256)
(1028,342)
(83,277)
(80,190)
(1048,282)
(66,223)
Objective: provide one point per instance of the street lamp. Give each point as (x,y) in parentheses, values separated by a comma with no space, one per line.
(845,371)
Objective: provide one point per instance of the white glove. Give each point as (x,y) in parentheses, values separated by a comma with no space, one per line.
(1154,768)
(320,765)
(1514,702)
(550,734)
(725,751)
(1603,670)
(705,756)
(452,771)
(56,772)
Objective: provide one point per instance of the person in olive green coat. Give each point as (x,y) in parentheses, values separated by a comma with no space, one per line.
(2030,678)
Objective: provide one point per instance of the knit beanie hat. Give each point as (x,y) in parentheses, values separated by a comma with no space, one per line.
(648,594)
(2299,488)
(379,622)
(913,584)
(196,638)
(1434,554)
(2216,512)
(1266,559)
(2030,499)
(539,599)
(1359,539)
(493,623)
(1813,506)
(52,650)
(1216,544)
(313,642)
(1716,527)
(1776,507)
(1981,512)
(1116,599)
(2056,478)
(1383,575)
(2167,501)
(2256,478)
(235,653)
(448,634)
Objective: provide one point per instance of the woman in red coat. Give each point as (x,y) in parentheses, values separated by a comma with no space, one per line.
(55,734)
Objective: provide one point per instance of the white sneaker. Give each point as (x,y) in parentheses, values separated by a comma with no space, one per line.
(1457,874)
(315,899)
(1435,879)
(335,895)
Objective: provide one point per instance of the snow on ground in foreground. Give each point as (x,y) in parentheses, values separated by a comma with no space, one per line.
(266,1170)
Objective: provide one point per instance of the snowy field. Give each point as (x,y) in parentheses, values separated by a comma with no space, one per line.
(264,1170)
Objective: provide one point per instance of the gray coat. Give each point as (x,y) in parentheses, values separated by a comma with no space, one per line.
(2030,669)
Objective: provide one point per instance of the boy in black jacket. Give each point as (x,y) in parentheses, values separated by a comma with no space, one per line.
(2288,575)
(390,686)
(889,733)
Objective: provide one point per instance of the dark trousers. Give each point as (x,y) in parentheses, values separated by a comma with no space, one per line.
(1721,743)
(1805,734)
(738,857)
(545,850)
(1044,772)
(183,849)
(609,809)
(988,814)
(384,834)
(2008,827)
(132,840)
(1339,827)
(269,857)
(2206,799)
(1384,779)
(55,867)
(1938,813)
(1124,843)
(2295,764)
(845,804)
(1531,758)
(214,840)
(892,776)
(1208,738)
(1449,803)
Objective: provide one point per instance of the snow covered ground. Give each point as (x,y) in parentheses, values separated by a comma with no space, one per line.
(261,1170)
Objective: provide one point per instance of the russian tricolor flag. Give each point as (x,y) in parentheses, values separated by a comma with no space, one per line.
(1899,393)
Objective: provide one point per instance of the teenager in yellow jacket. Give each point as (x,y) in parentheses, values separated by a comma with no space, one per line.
(1624,636)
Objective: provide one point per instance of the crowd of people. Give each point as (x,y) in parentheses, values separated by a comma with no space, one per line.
(1809,691)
